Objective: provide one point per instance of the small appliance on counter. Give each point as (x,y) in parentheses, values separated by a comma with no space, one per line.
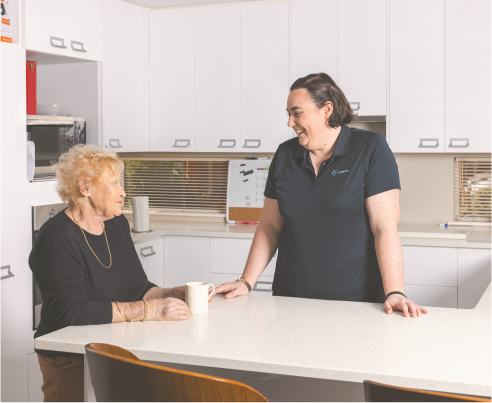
(52,136)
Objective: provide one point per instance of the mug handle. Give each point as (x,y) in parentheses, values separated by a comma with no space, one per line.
(213,289)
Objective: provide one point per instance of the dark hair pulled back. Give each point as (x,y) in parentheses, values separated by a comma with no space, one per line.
(323,89)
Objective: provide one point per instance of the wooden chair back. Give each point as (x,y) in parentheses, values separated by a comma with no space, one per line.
(379,392)
(120,376)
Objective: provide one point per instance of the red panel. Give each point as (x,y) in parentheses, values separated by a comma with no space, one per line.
(31,89)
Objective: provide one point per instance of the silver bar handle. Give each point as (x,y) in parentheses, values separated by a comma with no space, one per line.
(54,38)
(9,273)
(148,254)
(258,143)
(81,44)
(356,106)
(422,145)
(255,288)
(118,145)
(182,146)
(451,141)
(222,141)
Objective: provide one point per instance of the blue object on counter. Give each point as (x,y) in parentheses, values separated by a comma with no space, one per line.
(444,225)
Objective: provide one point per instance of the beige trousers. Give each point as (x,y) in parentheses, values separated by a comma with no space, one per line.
(63,378)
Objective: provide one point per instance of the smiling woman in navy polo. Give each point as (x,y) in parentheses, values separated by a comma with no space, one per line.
(331,208)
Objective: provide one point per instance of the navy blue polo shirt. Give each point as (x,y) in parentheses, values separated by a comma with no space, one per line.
(326,247)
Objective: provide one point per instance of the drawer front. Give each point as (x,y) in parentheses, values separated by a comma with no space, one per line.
(151,255)
(430,266)
(230,256)
(444,297)
(262,287)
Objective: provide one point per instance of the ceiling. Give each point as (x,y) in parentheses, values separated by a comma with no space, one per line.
(175,3)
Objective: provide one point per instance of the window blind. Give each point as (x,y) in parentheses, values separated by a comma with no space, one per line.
(472,189)
(178,186)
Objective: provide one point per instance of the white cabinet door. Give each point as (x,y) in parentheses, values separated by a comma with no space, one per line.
(185,260)
(217,78)
(35,379)
(264,75)
(430,266)
(262,287)
(46,26)
(230,256)
(473,276)
(172,80)
(151,255)
(313,38)
(416,99)
(362,54)
(468,102)
(427,295)
(125,77)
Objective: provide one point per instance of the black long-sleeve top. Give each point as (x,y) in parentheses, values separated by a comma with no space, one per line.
(76,289)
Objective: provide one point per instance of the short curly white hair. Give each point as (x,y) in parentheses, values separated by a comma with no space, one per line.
(83,161)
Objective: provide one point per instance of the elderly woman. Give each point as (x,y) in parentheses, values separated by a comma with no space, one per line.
(331,207)
(86,266)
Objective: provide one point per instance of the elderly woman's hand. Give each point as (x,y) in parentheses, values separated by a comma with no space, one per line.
(235,289)
(399,302)
(168,309)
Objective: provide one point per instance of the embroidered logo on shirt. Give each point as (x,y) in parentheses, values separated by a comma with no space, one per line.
(335,172)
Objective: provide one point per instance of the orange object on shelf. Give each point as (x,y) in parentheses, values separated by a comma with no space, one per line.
(31,87)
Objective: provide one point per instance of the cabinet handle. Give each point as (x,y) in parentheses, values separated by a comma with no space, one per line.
(182,146)
(422,145)
(118,145)
(467,143)
(54,38)
(148,254)
(255,288)
(222,141)
(258,143)
(9,273)
(81,44)
(356,107)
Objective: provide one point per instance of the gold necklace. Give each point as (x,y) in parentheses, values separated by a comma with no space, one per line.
(83,233)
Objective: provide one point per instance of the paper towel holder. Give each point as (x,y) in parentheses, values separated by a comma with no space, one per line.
(138,194)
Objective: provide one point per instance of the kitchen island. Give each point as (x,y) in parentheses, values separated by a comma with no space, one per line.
(294,341)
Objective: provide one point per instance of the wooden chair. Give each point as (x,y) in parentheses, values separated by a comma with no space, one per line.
(120,376)
(379,392)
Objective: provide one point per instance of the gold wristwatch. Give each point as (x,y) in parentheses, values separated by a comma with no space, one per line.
(243,280)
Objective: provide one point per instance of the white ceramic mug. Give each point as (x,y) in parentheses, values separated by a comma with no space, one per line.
(197,296)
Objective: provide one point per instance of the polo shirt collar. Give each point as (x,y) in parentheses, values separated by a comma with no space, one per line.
(342,147)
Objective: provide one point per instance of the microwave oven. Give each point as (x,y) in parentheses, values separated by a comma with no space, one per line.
(52,136)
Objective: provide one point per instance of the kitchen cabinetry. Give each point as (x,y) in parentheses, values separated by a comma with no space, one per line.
(468,71)
(35,379)
(64,27)
(125,77)
(473,275)
(362,43)
(264,75)
(217,78)
(151,255)
(416,93)
(428,295)
(186,259)
(172,80)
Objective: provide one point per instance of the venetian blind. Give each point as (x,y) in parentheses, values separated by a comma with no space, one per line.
(178,186)
(472,189)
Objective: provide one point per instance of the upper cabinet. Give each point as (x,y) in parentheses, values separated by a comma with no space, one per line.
(172,79)
(467,77)
(64,27)
(416,122)
(125,72)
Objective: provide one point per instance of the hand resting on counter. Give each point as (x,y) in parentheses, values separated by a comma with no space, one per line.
(231,290)
(400,303)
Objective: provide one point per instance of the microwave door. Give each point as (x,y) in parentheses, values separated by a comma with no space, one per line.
(51,141)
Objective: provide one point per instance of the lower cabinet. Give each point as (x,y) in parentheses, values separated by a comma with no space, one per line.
(262,287)
(473,275)
(151,255)
(432,296)
(35,379)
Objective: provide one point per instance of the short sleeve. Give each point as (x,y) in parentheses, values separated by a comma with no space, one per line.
(381,170)
(270,188)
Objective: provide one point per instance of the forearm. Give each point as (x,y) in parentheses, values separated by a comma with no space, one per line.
(138,311)
(390,258)
(265,243)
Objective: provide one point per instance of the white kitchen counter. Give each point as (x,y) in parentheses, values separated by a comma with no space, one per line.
(479,238)
(446,350)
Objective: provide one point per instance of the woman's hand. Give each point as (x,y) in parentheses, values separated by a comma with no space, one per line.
(236,289)
(177,292)
(399,302)
(168,309)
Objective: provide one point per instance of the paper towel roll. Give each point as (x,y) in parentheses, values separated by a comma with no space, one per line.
(140,213)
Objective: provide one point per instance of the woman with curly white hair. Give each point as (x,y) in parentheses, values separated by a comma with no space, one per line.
(84,263)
